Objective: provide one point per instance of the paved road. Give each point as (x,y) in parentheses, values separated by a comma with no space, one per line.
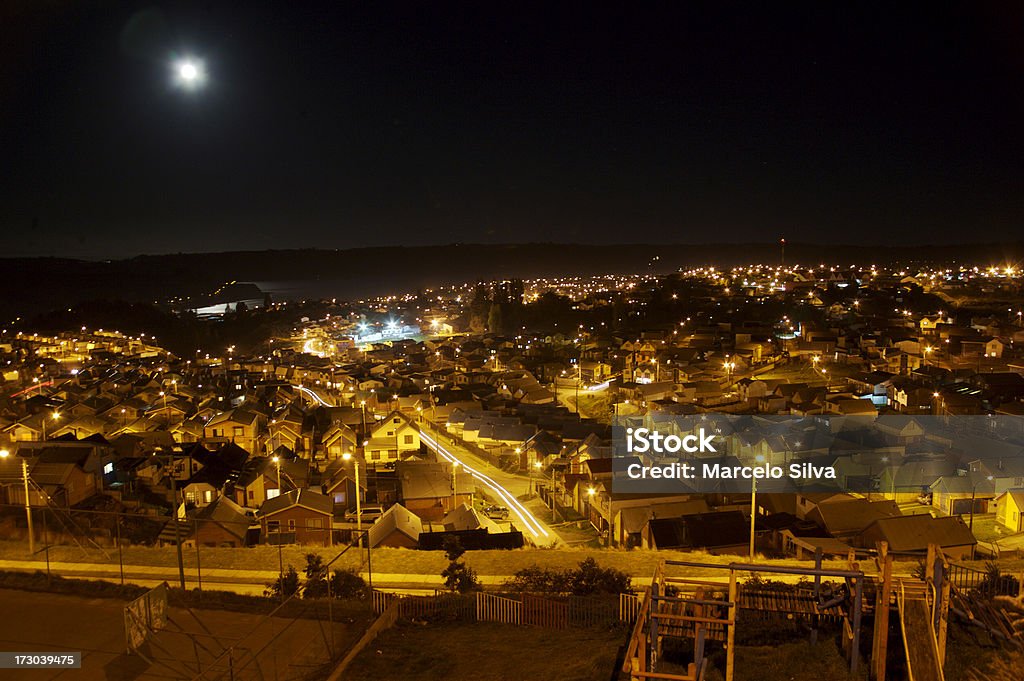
(504,486)
(250,582)
(500,484)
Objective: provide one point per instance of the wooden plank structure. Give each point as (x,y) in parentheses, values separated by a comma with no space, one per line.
(705,609)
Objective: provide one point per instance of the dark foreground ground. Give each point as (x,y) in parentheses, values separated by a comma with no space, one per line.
(269,648)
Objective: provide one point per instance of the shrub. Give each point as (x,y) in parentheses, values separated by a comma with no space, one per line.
(995,583)
(316,577)
(590,578)
(587,579)
(348,584)
(460,578)
(284,586)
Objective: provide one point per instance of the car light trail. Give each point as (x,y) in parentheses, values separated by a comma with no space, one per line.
(529,521)
(316,398)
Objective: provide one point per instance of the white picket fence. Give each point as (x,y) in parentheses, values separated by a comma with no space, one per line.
(629,607)
(491,608)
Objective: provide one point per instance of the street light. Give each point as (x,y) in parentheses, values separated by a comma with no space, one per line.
(455,484)
(974,489)
(56,417)
(753,505)
(28,506)
(277,460)
(347,456)
(536,467)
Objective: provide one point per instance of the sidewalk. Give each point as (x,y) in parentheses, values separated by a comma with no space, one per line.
(214,575)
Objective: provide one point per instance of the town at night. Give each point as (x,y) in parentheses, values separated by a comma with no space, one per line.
(492,343)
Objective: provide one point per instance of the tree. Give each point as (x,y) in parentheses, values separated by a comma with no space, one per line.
(453,548)
(458,577)
(587,579)
(285,586)
(348,584)
(590,578)
(316,577)
(495,319)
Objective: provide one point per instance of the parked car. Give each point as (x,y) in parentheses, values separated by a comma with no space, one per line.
(370,513)
(496,512)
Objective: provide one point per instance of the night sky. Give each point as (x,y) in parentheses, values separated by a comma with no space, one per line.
(345,125)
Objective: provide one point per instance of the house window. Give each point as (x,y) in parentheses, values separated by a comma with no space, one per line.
(396,420)
(391,433)
(208,496)
(192,497)
(273,526)
(375,456)
(252,495)
(239,431)
(314,523)
(273,492)
(408,439)
(108,468)
(291,525)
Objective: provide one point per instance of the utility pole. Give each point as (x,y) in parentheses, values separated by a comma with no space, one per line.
(28,509)
(174,520)
(753,514)
(359,510)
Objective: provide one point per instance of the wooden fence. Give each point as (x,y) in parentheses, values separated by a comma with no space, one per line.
(386,620)
(629,607)
(491,608)
(984,583)
(549,611)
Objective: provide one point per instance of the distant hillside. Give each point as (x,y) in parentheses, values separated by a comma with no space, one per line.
(39,284)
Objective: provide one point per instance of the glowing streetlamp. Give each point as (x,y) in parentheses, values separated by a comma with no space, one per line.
(536,467)
(28,506)
(753,506)
(277,460)
(56,417)
(347,456)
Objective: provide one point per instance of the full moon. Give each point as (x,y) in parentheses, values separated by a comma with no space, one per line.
(189,73)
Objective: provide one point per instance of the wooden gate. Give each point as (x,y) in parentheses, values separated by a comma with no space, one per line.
(545,612)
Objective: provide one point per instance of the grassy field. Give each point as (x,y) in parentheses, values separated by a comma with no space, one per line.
(638,563)
(385,560)
(488,652)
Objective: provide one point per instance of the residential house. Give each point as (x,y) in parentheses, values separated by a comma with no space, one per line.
(391,439)
(432,489)
(398,527)
(221,523)
(1010,509)
(297,517)
(913,533)
(721,532)
(240,426)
